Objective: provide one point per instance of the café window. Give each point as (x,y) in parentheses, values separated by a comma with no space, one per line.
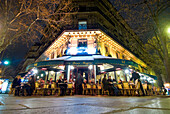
(117,55)
(82,43)
(82,25)
(52,55)
(51,75)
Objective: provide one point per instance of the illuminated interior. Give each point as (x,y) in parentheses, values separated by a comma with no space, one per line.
(87,42)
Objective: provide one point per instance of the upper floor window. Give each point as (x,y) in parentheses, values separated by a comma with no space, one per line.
(52,55)
(82,25)
(82,42)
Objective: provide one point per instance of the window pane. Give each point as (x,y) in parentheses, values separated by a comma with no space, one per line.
(82,25)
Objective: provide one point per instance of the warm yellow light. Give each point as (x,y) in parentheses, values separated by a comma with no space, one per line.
(168,30)
(167,85)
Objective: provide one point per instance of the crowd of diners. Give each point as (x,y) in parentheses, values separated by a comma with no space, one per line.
(78,85)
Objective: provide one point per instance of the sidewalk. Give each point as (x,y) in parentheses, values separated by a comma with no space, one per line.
(84,105)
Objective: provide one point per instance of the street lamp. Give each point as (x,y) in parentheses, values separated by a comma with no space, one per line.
(6,62)
(126,71)
(90,67)
(35,71)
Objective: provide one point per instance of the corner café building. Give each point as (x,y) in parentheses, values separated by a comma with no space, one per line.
(92,52)
(97,41)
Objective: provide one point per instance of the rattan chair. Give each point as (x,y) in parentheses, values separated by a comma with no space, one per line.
(158,91)
(145,88)
(119,86)
(88,89)
(70,88)
(55,89)
(126,89)
(105,91)
(12,91)
(38,91)
(94,89)
(99,89)
(138,90)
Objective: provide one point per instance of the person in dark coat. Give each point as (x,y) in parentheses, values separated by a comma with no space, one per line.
(120,82)
(31,86)
(111,86)
(79,81)
(50,82)
(105,83)
(17,84)
(136,76)
(62,85)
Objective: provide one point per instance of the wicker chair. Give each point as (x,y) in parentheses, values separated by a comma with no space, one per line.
(38,91)
(99,89)
(145,88)
(105,91)
(94,89)
(158,91)
(138,89)
(88,89)
(55,89)
(70,88)
(12,91)
(126,89)
(119,86)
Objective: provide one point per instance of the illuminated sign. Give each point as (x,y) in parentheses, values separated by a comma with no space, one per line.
(79,63)
(81,51)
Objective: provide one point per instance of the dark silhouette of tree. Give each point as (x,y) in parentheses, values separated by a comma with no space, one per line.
(26,19)
(149,20)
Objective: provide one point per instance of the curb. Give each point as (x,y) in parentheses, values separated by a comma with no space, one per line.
(1,103)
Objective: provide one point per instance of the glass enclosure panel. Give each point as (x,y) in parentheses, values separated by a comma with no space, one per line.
(51,75)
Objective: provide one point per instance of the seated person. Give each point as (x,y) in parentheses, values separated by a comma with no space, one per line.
(111,86)
(60,80)
(114,81)
(50,82)
(93,81)
(90,82)
(62,85)
(57,83)
(65,81)
(30,86)
(41,83)
(120,82)
(110,81)
(85,83)
(71,82)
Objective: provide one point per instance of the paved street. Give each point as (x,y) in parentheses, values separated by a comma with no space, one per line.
(84,105)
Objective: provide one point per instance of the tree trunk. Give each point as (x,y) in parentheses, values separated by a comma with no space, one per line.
(167,69)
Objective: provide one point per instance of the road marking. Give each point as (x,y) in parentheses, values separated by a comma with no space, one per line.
(154,108)
(24,106)
(1,103)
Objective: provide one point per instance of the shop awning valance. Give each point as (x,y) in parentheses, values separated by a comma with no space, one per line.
(152,76)
(82,60)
